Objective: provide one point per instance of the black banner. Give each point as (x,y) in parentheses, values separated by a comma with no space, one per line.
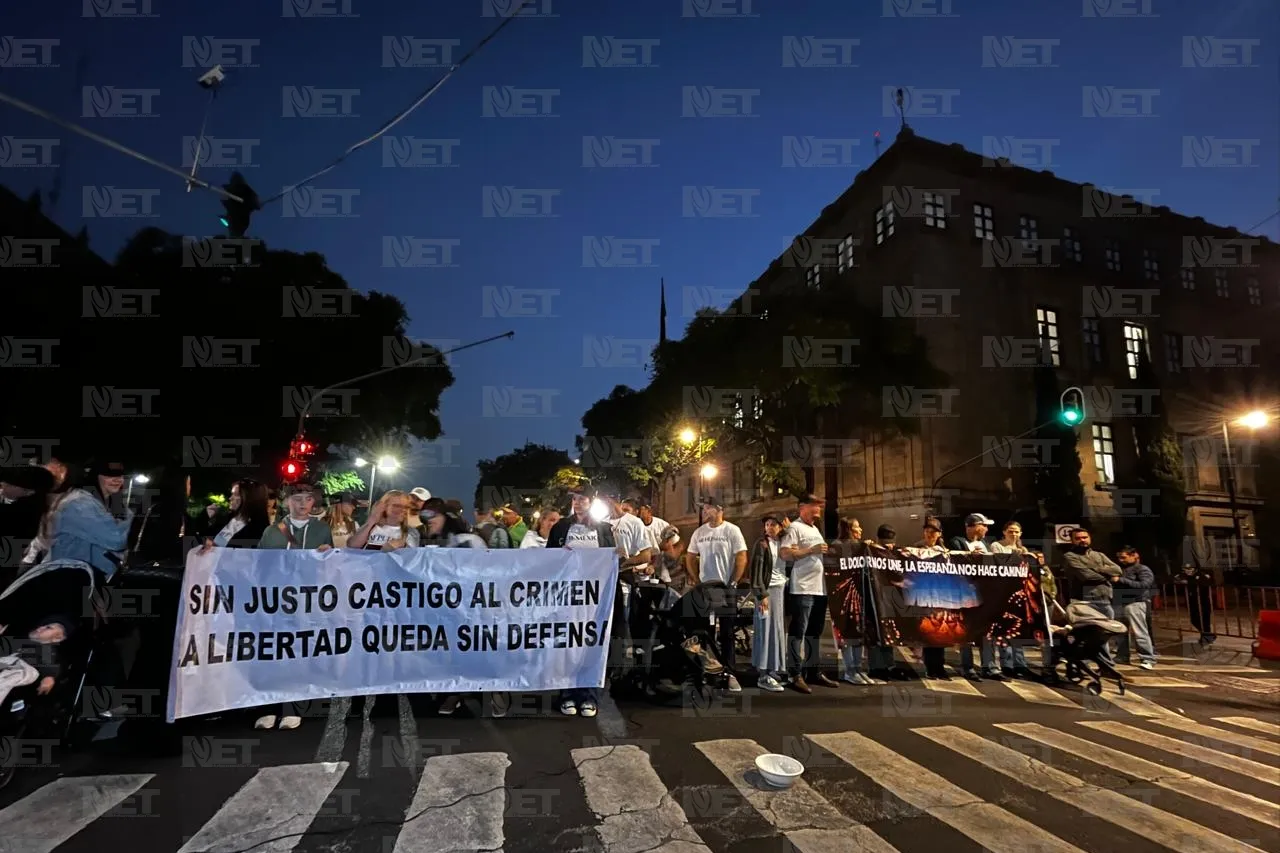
(910,597)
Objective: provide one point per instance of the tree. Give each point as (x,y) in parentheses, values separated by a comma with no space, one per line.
(173,361)
(1056,482)
(1159,468)
(520,478)
(337,482)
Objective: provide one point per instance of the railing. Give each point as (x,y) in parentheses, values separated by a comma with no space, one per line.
(1232,611)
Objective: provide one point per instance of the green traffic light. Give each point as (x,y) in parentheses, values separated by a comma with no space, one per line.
(1071,416)
(225,223)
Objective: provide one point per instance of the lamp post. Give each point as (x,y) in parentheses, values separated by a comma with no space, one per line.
(1254,420)
(386,464)
(707,472)
(140,479)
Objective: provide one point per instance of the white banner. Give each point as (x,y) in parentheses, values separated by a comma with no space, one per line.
(263,627)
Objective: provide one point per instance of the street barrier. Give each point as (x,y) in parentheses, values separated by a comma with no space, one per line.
(1227,611)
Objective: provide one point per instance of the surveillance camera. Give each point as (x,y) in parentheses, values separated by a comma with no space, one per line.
(212,78)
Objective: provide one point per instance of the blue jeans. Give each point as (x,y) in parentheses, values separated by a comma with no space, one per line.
(987,654)
(806,619)
(1013,657)
(1135,616)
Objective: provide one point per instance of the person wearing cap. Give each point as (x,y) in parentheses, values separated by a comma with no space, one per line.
(417,497)
(91,524)
(934,656)
(510,531)
(717,552)
(341,518)
(803,543)
(579,530)
(974,541)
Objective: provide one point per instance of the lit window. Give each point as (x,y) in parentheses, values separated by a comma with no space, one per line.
(813,276)
(739,414)
(1092,341)
(1047,331)
(885,222)
(1220,284)
(757,407)
(1188,278)
(1150,265)
(764,315)
(1135,346)
(1104,453)
(1028,229)
(1255,291)
(935,210)
(1071,246)
(1173,352)
(984,222)
(1113,256)
(844,254)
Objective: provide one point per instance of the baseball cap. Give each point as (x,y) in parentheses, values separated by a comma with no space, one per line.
(345,498)
(809,498)
(711,501)
(977,518)
(421,494)
(932,523)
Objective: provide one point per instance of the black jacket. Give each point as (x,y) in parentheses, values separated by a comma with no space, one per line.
(560,533)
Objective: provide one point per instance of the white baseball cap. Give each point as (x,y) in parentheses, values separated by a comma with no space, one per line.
(421,494)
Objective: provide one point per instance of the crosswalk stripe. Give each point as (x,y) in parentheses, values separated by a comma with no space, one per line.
(1160,681)
(1194,751)
(1164,828)
(43,820)
(1256,744)
(1040,694)
(810,823)
(1177,781)
(1138,705)
(956,686)
(271,812)
(635,810)
(997,830)
(459,805)
(365,755)
(1250,723)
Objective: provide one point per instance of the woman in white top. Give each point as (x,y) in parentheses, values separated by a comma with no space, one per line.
(248,517)
(1013,660)
(538,538)
(341,519)
(388,526)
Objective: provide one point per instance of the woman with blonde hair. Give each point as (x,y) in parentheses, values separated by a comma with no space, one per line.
(388,526)
(341,519)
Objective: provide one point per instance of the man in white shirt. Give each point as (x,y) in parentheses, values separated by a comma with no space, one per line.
(718,552)
(656,526)
(804,544)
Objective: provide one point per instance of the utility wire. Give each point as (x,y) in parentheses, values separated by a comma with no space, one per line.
(112,144)
(421,99)
(1263,222)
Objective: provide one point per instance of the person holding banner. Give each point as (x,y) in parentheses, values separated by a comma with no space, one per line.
(580,530)
(1013,660)
(388,526)
(974,541)
(807,603)
(935,657)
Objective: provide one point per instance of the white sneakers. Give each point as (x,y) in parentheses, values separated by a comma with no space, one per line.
(268,721)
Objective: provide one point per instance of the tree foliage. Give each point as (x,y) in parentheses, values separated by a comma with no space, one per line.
(525,478)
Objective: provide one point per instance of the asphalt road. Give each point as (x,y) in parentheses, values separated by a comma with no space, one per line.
(918,766)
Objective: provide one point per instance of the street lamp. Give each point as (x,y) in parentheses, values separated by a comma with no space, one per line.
(688,436)
(386,464)
(141,480)
(1254,420)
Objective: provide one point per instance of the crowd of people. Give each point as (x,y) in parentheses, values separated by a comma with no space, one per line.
(780,577)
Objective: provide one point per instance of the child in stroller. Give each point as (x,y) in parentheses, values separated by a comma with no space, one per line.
(47,647)
(1081,642)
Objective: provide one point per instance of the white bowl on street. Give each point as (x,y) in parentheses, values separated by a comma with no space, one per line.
(780,771)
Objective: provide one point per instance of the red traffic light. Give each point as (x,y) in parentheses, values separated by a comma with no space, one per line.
(291,469)
(300,447)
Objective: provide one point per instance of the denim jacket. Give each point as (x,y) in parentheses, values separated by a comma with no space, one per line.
(84,529)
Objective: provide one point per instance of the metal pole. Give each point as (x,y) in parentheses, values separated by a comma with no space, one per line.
(1238,548)
(204,122)
(373,475)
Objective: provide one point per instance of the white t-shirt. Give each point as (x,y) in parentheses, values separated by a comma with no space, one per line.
(533,540)
(630,535)
(779,575)
(582,536)
(656,527)
(384,533)
(716,549)
(228,532)
(806,574)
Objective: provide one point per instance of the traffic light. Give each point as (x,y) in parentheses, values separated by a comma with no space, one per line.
(1071,406)
(291,469)
(237,213)
(300,448)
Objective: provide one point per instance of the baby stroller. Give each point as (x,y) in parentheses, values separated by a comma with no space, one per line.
(50,615)
(1082,642)
(682,652)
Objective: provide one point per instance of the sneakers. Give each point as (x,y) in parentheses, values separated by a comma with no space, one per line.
(1146,664)
(587,707)
(569,708)
(499,704)
(768,682)
(856,678)
(732,685)
(266,721)
(290,722)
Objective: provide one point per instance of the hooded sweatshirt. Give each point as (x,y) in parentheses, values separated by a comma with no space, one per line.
(310,535)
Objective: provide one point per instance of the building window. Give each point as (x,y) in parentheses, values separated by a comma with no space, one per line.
(1092,341)
(1071,246)
(1113,256)
(757,407)
(1173,352)
(1028,229)
(813,276)
(1104,453)
(844,254)
(1220,284)
(1150,265)
(1254,290)
(739,413)
(1135,346)
(885,222)
(935,210)
(984,222)
(1047,332)
(1188,278)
